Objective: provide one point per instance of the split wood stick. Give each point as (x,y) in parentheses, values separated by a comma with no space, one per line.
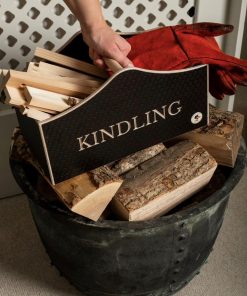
(132,161)
(81,81)
(87,194)
(46,68)
(46,99)
(14,96)
(32,67)
(69,62)
(34,113)
(52,112)
(17,79)
(221,138)
(175,175)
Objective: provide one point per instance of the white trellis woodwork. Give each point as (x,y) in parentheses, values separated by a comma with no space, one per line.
(136,15)
(49,23)
(28,24)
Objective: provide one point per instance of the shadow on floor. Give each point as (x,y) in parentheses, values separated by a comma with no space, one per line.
(22,255)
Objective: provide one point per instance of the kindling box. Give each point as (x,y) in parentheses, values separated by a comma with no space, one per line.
(133,110)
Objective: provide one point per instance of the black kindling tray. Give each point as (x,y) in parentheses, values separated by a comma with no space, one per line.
(132,110)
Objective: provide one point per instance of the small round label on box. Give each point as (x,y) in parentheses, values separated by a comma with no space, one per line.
(196,118)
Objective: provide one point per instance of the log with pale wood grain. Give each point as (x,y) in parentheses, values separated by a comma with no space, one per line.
(221,138)
(164,181)
(87,194)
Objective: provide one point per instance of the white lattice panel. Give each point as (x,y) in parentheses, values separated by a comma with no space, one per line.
(137,15)
(26,24)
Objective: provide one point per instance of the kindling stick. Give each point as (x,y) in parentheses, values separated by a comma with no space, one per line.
(69,62)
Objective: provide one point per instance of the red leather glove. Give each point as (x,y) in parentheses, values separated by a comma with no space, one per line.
(183,46)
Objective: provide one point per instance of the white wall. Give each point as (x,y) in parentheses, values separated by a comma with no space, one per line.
(241,97)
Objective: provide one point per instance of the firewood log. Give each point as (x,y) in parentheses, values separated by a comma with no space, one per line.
(221,138)
(87,194)
(164,181)
(130,162)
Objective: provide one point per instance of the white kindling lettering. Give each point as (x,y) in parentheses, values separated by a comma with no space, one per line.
(132,125)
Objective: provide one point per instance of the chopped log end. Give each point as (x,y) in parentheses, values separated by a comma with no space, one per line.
(180,165)
(222,123)
(221,138)
(94,204)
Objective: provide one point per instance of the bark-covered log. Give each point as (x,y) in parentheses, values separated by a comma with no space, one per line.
(128,163)
(221,138)
(164,181)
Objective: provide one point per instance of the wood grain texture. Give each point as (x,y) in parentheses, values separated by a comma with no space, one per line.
(17,79)
(35,113)
(87,194)
(130,162)
(113,65)
(14,96)
(46,99)
(69,62)
(164,181)
(81,81)
(54,70)
(221,138)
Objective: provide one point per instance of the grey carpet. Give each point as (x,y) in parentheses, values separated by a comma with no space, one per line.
(25,268)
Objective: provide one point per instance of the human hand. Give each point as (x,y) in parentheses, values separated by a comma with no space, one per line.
(104,42)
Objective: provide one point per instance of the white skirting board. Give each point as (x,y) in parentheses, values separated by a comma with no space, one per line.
(8,122)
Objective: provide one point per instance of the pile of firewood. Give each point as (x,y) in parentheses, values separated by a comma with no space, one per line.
(141,186)
(50,86)
(150,182)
